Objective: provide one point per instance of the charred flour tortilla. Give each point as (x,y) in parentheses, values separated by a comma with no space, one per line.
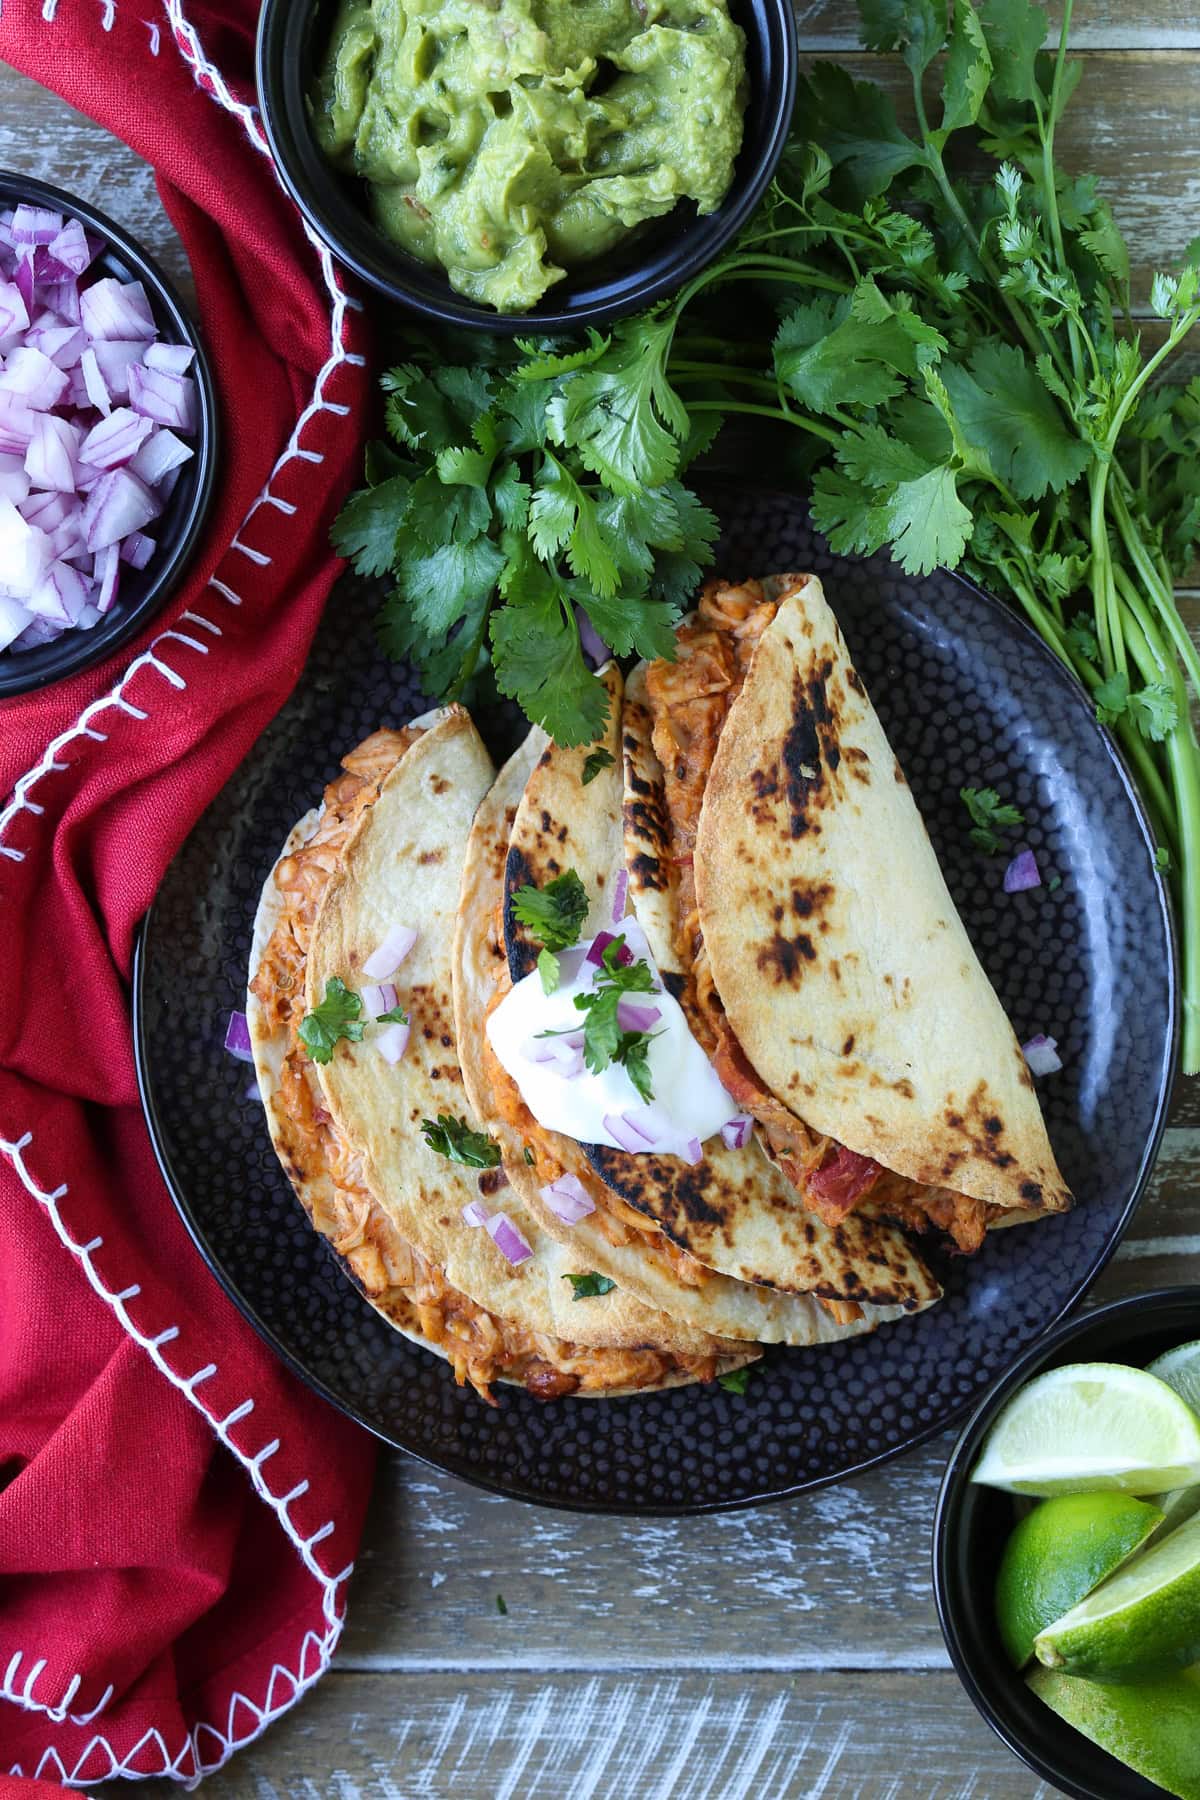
(399,1257)
(734,1212)
(633,1256)
(858,1001)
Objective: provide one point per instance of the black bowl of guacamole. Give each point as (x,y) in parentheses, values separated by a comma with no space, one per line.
(526,165)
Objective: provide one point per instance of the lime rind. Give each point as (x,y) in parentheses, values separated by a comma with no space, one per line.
(1142,1621)
(1090,1426)
(1153,1727)
(1058,1554)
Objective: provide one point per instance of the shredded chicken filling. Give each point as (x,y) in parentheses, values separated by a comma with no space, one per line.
(410,1289)
(690,701)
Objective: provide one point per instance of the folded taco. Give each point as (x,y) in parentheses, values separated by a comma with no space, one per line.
(828,973)
(624,1104)
(351,1019)
(549,1170)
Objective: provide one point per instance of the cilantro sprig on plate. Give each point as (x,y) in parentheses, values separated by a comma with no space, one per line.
(948,362)
(332,1019)
(989,817)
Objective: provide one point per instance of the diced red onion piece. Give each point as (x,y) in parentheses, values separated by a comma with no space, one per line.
(117,505)
(475,1213)
(571,1071)
(1021,873)
(640,1123)
(736,1131)
(48,511)
(620,889)
(14,314)
(107,574)
(94,382)
(14,485)
(115,440)
(626,1135)
(34,225)
(59,297)
(381,999)
(167,399)
(33,378)
(70,247)
(237,1037)
(137,549)
(116,310)
(692,1152)
(50,458)
(61,596)
(1041,1053)
(174,359)
(599,945)
(392,1042)
(568,1199)
(634,1017)
(161,452)
(507,1238)
(115,361)
(24,553)
(14,621)
(390,954)
(63,344)
(592,644)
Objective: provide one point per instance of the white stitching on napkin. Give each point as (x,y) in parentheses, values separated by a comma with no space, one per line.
(196,1757)
(333,1606)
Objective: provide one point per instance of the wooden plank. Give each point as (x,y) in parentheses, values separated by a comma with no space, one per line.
(1099,25)
(682,1736)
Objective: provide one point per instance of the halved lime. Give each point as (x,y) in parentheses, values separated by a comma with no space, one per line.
(1143,1621)
(1057,1555)
(1092,1425)
(1180,1369)
(1153,1728)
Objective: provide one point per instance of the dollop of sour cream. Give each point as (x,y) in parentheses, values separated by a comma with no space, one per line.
(689,1102)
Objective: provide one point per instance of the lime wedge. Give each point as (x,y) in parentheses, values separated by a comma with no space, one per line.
(1057,1555)
(1153,1728)
(1142,1621)
(1180,1369)
(1092,1425)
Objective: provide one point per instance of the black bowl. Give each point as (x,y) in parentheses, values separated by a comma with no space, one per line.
(293,33)
(142,591)
(973,1523)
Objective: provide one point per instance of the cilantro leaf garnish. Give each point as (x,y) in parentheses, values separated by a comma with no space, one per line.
(604,1042)
(990,816)
(453,1138)
(554,914)
(397,1016)
(593,763)
(334,1018)
(734,1382)
(587,1287)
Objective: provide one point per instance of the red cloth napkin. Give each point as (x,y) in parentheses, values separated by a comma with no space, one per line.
(177,1515)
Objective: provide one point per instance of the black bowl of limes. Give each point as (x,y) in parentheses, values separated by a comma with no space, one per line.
(1066,1552)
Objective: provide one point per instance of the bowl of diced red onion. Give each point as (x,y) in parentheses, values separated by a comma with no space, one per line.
(107,436)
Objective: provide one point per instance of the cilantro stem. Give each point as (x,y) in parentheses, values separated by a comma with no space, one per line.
(1162,592)
(1104,597)
(1183,761)
(767,412)
(722,372)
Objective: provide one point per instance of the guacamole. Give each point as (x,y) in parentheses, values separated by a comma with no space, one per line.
(510,140)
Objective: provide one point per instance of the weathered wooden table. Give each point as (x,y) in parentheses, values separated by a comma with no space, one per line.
(786,1654)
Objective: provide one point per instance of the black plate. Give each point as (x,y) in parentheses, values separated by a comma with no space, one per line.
(968,695)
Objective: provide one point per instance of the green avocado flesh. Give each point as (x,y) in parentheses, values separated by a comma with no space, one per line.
(509,140)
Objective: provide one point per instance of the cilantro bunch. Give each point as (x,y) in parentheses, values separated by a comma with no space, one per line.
(950,362)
